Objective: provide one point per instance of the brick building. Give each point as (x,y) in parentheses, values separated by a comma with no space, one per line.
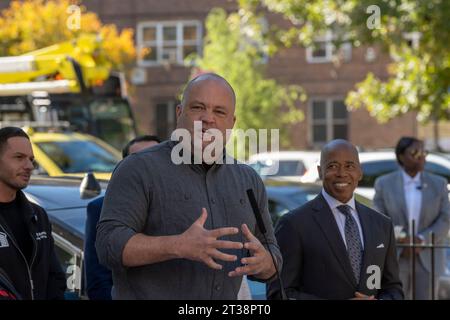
(171,29)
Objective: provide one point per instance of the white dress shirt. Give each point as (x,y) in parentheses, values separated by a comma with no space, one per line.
(340,217)
(413,198)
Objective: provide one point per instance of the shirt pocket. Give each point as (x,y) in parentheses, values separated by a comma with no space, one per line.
(238,212)
(180,212)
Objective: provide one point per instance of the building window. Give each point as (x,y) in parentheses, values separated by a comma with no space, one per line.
(167,42)
(324,51)
(165,119)
(328,120)
(412,40)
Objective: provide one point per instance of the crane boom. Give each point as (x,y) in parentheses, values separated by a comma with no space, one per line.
(80,62)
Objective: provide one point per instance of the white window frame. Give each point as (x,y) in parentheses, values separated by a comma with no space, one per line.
(329,121)
(330,50)
(159,43)
(414,37)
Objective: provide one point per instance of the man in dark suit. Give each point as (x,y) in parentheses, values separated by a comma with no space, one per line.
(334,247)
(99,278)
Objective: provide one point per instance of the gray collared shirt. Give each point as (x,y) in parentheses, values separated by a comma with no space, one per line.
(151,195)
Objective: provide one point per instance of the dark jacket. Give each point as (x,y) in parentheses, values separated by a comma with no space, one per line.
(98,278)
(7,290)
(43,277)
(315,259)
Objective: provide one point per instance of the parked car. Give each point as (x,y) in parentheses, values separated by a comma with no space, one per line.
(286,165)
(375,164)
(72,154)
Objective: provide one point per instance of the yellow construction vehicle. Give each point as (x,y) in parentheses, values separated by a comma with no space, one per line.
(71,81)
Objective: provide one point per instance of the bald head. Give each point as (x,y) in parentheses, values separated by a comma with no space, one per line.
(208,100)
(202,78)
(338,144)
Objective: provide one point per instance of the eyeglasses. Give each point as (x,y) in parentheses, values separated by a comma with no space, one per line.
(417,153)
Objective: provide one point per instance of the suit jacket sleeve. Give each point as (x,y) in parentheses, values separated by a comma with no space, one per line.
(391,286)
(290,244)
(441,225)
(378,200)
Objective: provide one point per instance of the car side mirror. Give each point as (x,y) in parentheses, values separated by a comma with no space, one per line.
(89,187)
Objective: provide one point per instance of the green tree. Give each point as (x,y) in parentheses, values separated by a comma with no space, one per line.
(419,77)
(33,24)
(234,48)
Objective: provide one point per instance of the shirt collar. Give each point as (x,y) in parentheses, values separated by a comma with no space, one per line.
(334,203)
(407,179)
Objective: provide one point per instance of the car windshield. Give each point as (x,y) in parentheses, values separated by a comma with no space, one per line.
(282,199)
(285,168)
(113,121)
(79,156)
(301,197)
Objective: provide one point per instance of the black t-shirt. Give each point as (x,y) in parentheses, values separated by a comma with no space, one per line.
(16,223)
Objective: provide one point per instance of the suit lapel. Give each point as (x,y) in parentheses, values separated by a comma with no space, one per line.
(399,189)
(324,217)
(369,244)
(427,193)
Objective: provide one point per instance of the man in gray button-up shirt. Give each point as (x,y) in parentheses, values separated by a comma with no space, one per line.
(186,231)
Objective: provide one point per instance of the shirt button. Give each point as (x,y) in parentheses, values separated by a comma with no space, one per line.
(213,201)
(218,287)
(242,201)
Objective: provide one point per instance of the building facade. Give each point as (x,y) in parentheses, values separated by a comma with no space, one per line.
(167,31)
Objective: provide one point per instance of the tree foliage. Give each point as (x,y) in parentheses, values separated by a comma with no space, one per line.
(419,75)
(33,24)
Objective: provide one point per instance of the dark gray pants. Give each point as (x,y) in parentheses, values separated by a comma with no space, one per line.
(423,280)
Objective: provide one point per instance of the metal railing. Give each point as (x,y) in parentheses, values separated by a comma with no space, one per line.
(413,259)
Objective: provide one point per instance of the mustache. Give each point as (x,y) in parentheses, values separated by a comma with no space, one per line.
(27,173)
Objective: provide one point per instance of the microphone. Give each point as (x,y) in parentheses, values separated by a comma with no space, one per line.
(254,204)
(262,228)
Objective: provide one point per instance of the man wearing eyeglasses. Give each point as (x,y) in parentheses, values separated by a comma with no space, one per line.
(411,194)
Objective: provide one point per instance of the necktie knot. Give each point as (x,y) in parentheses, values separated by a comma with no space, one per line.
(344,209)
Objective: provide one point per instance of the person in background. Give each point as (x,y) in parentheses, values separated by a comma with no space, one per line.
(28,261)
(414,194)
